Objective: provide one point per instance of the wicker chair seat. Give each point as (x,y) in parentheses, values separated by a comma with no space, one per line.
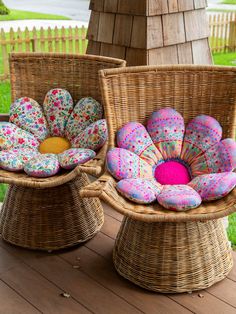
(157,249)
(105,189)
(48,213)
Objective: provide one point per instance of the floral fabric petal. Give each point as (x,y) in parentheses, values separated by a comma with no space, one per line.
(15,159)
(179,197)
(201,133)
(93,137)
(28,115)
(141,191)
(166,128)
(218,158)
(58,106)
(86,111)
(135,138)
(75,156)
(123,164)
(214,186)
(13,137)
(42,166)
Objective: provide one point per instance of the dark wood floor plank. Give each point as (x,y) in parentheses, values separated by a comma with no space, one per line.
(101,244)
(103,271)
(7,260)
(112,212)
(111,227)
(232,274)
(84,289)
(40,292)
(12,303)
(203,303)
(225,291)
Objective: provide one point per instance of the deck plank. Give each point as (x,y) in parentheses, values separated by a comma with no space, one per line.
(232,274)
(104,272)
(111,212)
(33,281)
(40,292)
(225,291)
(7,261)
(84,289)
(12,303)
(111,227)
(202,302)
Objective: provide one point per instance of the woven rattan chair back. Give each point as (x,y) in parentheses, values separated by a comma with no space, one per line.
(132,94)
(34,74)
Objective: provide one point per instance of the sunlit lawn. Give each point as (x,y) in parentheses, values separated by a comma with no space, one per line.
(25,15)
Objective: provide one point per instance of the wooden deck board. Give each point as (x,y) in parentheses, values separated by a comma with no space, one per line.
(31,282)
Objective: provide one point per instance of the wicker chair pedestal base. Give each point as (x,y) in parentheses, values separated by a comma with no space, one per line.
(172,257)
(52,218)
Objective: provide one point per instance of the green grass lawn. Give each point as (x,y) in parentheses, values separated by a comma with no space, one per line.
(25,15)
(228,2)
(225,58)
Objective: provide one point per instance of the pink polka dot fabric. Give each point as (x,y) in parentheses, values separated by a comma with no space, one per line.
(166,128)
(177,168)
(135,138)
(214,186)
(124,164)
(141,191)
(179,197)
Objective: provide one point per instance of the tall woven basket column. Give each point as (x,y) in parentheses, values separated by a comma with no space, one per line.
(49,214)
(150,32)
(157,249)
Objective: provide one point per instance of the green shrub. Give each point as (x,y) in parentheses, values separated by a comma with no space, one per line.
(231,230)
(3,9)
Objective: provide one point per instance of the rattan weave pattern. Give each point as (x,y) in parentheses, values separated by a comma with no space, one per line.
(48,214)
(50,219)
(34,74)
(172,257)
(132,94)
(162,250)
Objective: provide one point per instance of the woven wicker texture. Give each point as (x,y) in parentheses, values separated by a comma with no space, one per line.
(50,219)
(172,257)
(34,74)
(132,94)
(48,214)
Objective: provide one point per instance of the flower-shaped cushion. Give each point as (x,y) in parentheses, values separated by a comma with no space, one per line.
(178,168)
(42,139)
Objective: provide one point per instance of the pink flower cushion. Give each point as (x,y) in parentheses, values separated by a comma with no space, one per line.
(58,106)
(219,158)
(93,137)
(179,197)
(42,166)
(166,128)
(123,164)
(13,137)
(75,156)
(62,128)
(142,191)
(28,115)
(172,172)
(135,138)
(86,112)
(15,159)
(214,186)
(178,172)
(201,133)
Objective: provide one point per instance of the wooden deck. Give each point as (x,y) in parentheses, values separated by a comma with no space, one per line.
(32,282)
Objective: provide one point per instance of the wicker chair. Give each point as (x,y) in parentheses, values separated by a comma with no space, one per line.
(48,214)
(157,249)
